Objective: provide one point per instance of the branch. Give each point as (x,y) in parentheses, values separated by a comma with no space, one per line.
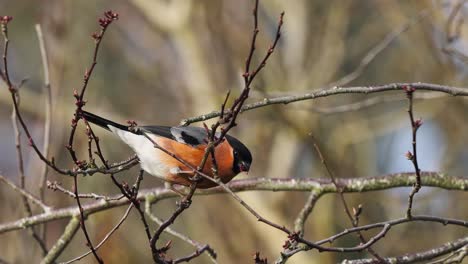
(420,256)
(366,103)
(299,223)
(395,222)
(47,119)
(376,50)
(197,245)
(48,110)
(106,237)
(63,241)
(82,221)
(26,194)
(104,22)
(353,218)
(415,124)
(455,91)
(55,186)
(429,179)
(386,225)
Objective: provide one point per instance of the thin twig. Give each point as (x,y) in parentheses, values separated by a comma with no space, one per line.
(450,35)
(48,110)
(210,251)
(376,50)
(384,225)
(15,116)
(419,256)
(24,193)
(57,186)
(130,194)
(104,22)
(183,204)
(63,241)
(195,254)
(453,32)
(363,104)
(47,119)
(353,220)
(82,220)
(13,92)
(106,237)
(415,124)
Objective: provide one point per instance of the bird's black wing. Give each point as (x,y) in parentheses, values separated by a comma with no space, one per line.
(192,136)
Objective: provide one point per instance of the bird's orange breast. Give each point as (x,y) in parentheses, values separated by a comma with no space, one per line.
(194,156)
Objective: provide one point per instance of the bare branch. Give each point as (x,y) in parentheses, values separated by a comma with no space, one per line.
(197,245)
(106,237)
(344,108)
(415,124)
(26,194)
(63,241)
(314,196)
(376,50)
(455,91)
(82,221)
(420,256)
(383,182)
(56,186)
(48,110)
(353,220)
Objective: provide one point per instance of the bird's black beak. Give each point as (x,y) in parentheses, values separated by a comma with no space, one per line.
(244,167)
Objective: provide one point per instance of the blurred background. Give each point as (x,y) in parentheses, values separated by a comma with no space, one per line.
(164,61)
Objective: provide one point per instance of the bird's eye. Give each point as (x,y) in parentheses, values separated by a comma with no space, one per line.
(235,153)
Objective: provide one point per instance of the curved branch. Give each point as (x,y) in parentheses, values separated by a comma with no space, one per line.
(420,256)
(63,241)
(455,91)
(429,179)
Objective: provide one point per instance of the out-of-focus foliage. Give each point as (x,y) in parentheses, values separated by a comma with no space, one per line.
(167,60)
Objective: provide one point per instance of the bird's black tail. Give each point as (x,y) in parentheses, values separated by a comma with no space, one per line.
(102,122)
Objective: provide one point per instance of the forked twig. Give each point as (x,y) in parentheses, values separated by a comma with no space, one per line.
(415,124)
(353,218)
(15,116)
(106,237)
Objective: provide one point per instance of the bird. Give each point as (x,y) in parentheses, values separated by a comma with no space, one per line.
(188,143)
